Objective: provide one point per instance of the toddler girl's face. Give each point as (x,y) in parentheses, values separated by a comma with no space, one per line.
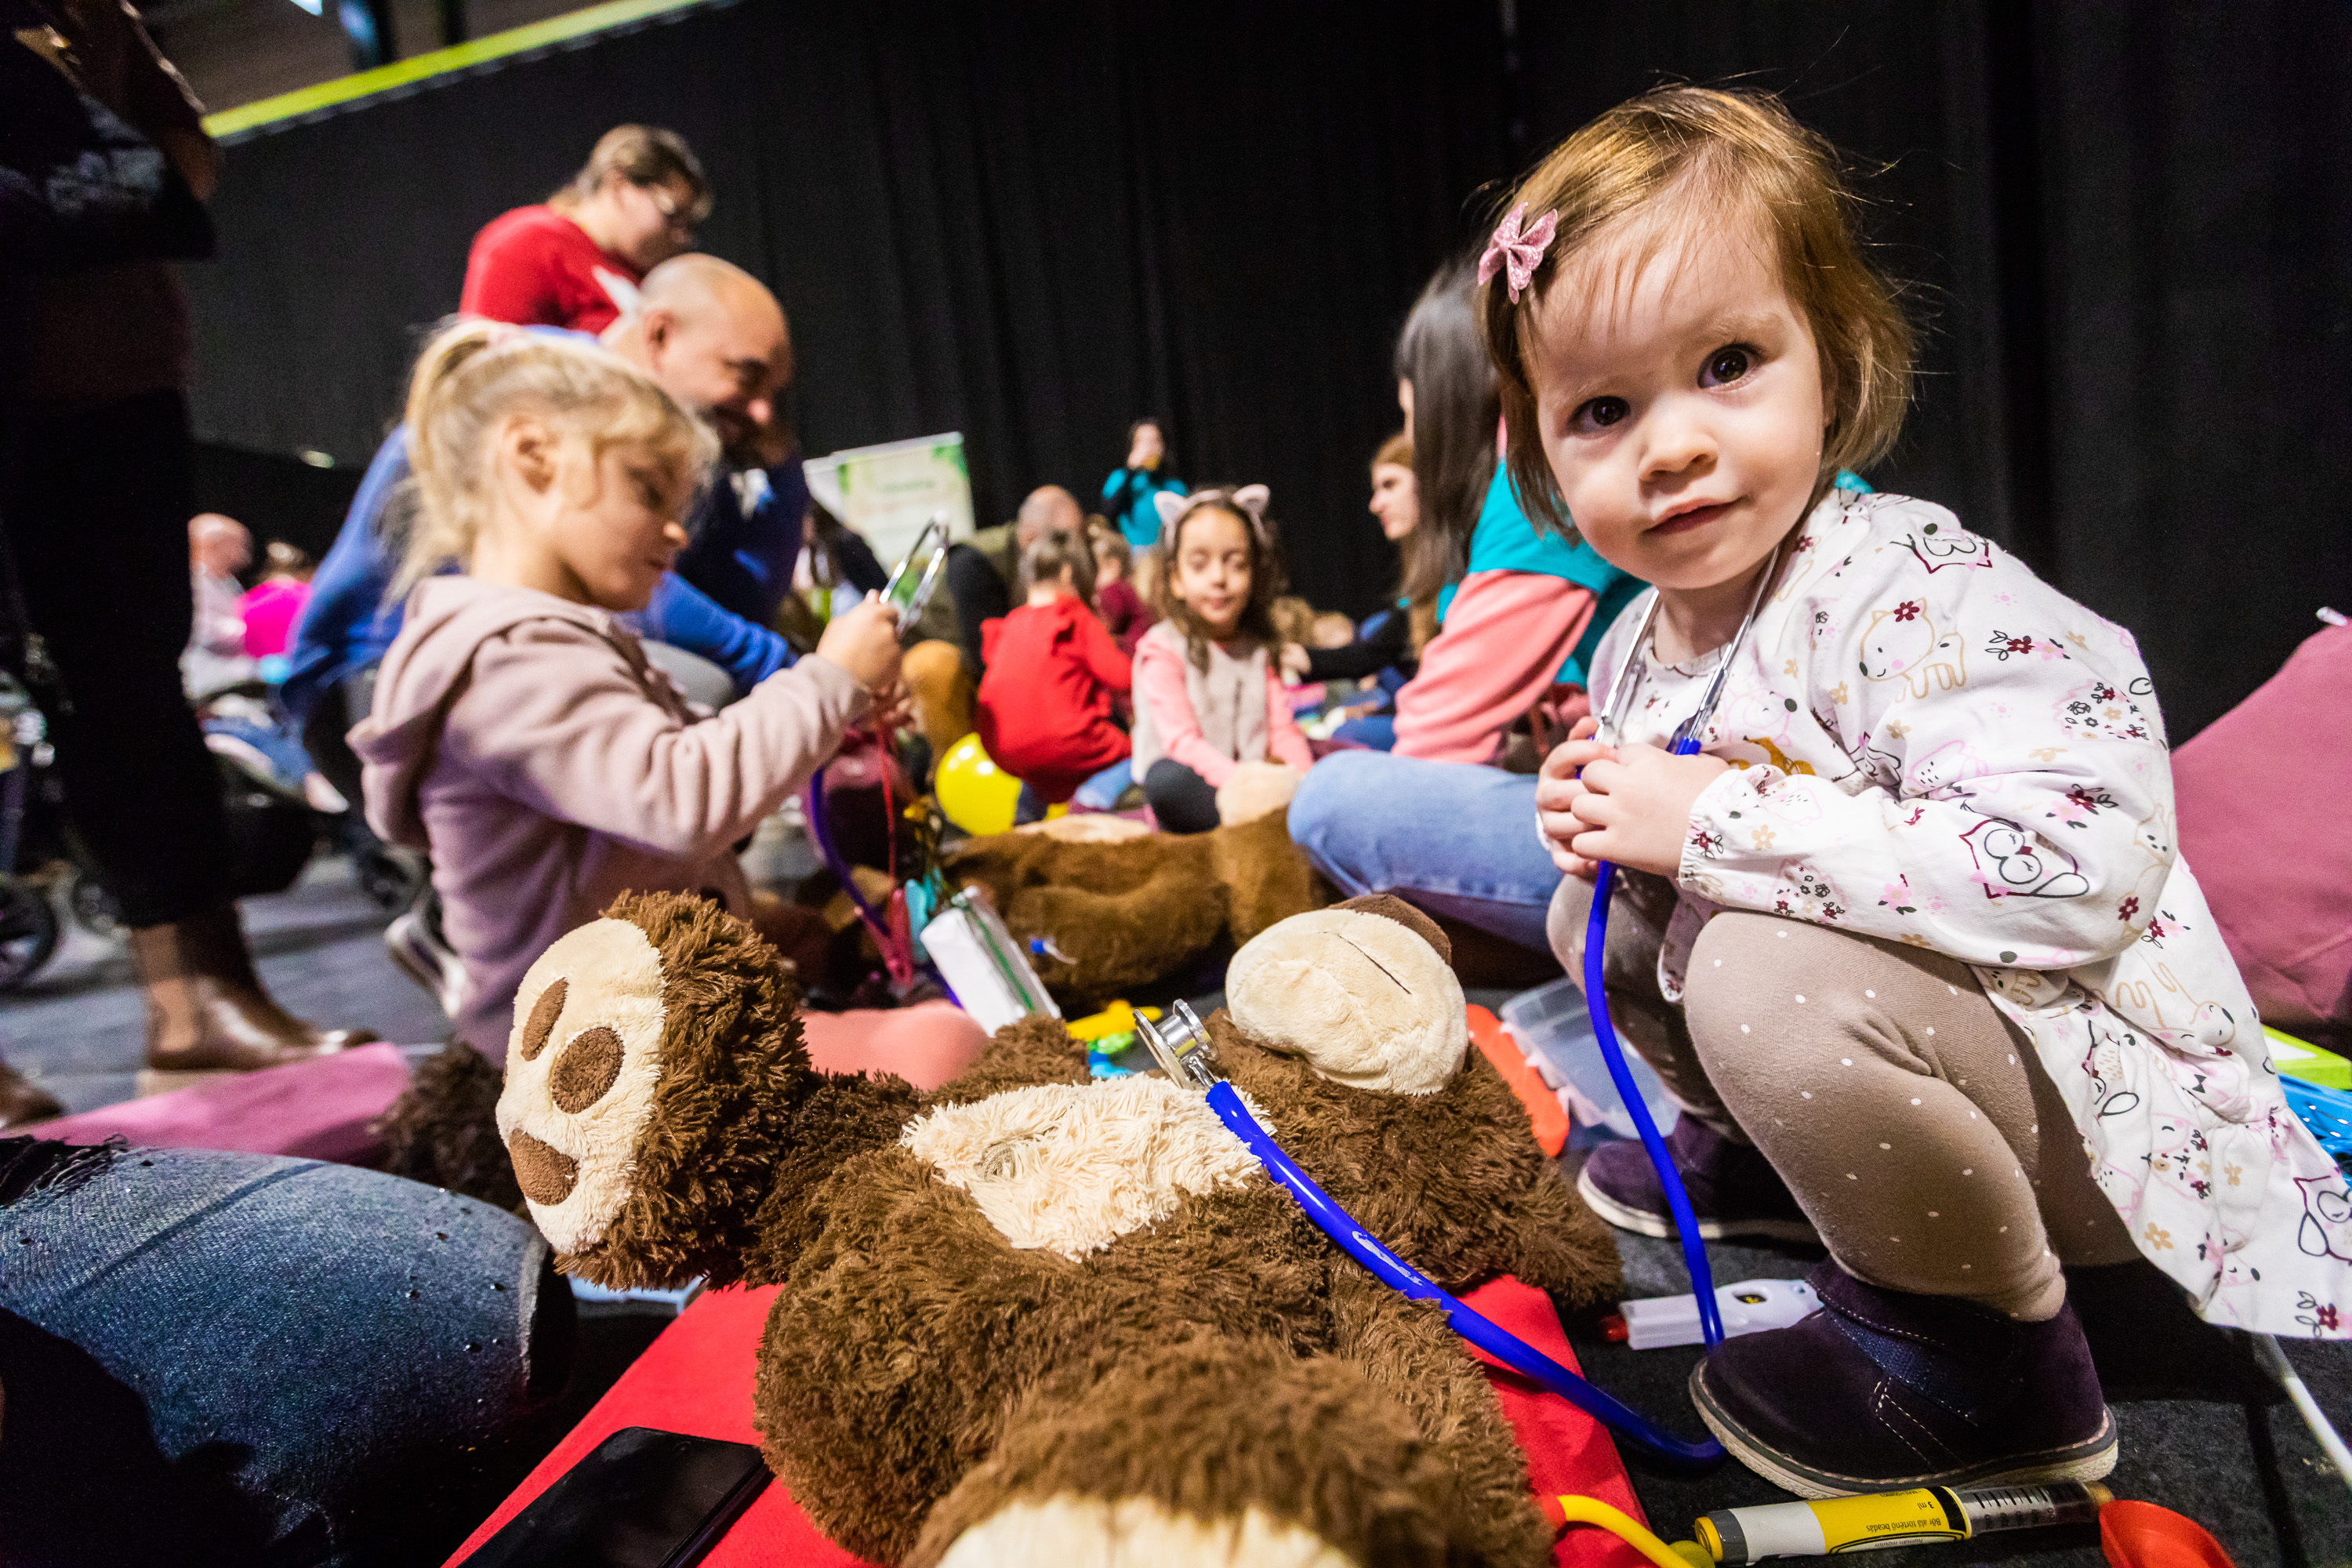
(1212,569)
(1681,404)
(617,527)
(1109,569)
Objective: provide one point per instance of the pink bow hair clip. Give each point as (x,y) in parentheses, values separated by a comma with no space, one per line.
(1516,251)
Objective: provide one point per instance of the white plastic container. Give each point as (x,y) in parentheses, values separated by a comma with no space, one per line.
(1749,1307)
(1554,1033)
(991,976)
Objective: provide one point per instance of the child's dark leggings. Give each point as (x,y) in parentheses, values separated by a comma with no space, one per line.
(1181,800)
(1912,1122)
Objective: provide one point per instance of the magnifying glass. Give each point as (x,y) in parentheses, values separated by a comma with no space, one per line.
(917,576)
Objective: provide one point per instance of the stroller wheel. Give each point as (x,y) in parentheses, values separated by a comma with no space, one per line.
(93,906)
(29,931)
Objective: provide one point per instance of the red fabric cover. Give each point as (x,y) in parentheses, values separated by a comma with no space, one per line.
(1045,702)
(927,1044)
(1546,1115)
(318,1110)
(536,268)
(696,1379)
(2262,794)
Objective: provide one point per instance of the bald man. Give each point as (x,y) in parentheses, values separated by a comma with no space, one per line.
(714,338)
(717,341)
(219,548)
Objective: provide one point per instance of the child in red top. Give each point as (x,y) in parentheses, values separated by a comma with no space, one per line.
(1052,677)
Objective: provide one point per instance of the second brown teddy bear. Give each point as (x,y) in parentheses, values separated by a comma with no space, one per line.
(1113,917)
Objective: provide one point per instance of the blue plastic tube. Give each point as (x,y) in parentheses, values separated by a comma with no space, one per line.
(1413,1285)
(1621,1073)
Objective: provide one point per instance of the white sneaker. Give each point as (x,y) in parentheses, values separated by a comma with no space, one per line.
(418,951)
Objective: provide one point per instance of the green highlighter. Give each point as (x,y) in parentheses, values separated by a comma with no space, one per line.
(2302,1059)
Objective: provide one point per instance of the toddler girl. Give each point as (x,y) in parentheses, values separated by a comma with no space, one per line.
(1209,703)
(518,732)
(1053,682)
(1124,613)
(1908,940)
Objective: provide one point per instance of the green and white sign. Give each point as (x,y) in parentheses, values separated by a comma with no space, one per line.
(887,492)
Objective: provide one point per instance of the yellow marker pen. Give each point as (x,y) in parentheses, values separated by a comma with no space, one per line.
(1740,1535)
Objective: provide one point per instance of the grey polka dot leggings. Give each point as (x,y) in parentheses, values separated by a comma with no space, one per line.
(1910,1118)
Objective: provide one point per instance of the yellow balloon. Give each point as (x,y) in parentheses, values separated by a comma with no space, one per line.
(974,792)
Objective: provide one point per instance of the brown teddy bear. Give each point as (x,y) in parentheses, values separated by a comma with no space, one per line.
(1032,1318)
(1113,915)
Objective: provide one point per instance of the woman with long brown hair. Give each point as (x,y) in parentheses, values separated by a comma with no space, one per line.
(1517,609)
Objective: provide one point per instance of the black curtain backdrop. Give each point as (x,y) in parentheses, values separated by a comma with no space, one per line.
(2130,231)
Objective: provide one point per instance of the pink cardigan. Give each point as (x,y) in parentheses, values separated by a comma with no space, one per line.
(1505,637)
(1159,689)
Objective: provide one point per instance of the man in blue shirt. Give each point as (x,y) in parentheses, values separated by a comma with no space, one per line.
(714,338)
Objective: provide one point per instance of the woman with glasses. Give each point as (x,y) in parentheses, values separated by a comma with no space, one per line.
(575,260)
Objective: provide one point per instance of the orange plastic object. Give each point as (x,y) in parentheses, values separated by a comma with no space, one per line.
(2142,1535)
(1544,1109)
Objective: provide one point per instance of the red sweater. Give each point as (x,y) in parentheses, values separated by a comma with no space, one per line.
(1046,699)
(536,268)
(1124,613)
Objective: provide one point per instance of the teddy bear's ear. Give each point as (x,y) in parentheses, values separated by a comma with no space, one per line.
(1363,995)
(1387,905)
(651,1078)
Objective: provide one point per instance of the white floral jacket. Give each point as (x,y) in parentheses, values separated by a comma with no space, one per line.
(1933,746)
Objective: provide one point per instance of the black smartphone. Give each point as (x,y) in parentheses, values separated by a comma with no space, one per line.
(643,1499)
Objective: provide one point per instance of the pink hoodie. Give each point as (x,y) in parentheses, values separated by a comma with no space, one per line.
(525,742)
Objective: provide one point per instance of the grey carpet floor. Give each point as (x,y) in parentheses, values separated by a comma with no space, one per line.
(76,1027)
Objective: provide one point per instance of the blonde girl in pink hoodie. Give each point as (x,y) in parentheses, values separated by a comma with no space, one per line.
(518,732)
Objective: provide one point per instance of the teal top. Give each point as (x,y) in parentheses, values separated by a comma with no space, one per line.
(1128,500)
(1506,539)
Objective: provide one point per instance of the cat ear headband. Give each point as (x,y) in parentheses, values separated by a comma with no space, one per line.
(1250,500)
(1517,252)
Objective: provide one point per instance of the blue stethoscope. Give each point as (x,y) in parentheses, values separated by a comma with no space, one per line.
(1182,1050)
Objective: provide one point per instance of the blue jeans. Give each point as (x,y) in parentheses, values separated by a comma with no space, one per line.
(1377,731)
(237,1358)
(1457,839)
(1101,792)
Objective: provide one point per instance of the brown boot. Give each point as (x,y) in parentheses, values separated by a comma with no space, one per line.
(206,1012)
(21,1103)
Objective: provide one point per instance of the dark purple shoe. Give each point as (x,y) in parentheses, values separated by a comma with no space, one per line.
(1881,1389)
(1734,1191)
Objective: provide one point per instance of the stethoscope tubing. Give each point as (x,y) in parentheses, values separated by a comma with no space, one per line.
(1596,948)
(1467,1322)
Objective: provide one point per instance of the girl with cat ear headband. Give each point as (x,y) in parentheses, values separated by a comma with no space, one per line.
(1249,502)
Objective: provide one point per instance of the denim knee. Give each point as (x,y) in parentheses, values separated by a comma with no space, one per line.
(1324,810)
